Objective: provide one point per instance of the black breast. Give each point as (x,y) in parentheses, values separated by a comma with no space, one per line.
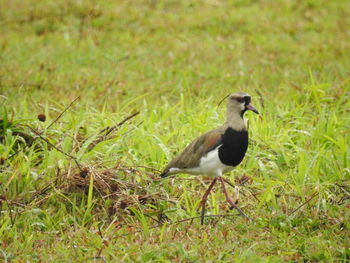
(234,146)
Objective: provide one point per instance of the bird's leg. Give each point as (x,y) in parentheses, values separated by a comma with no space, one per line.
(233,186)
(229,199)
(204,199)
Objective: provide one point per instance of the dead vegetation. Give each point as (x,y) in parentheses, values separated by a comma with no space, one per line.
(108,185)
(114,189)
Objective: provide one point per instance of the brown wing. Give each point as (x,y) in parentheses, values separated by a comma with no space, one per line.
(192,154)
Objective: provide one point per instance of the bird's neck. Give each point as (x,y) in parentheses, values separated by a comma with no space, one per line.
(235,121)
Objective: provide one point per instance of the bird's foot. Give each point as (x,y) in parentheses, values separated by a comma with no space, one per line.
(234,206)
(230,200)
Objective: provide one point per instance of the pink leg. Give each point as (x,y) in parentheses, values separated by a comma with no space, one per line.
(205,198)
(229,199)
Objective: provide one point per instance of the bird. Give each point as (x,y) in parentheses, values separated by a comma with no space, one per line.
(217,151)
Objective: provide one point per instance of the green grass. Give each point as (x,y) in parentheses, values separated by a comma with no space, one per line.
(173,61)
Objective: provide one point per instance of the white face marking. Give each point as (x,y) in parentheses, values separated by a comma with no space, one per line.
(242,105)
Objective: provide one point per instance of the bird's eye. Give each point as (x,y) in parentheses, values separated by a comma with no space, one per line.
(240,100)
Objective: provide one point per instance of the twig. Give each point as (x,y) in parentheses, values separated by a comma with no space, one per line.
(133,128)
(262,102)
(58,149)
(107,131)
(307,201)
(40,192)
(153,219)
(229,183)
(222,101)
(197,217)
(15,153)
(110,129)
(59,116)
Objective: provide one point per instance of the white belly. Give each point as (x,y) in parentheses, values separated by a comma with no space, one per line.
(210,165)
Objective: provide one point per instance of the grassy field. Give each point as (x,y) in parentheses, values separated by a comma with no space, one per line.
(71,193)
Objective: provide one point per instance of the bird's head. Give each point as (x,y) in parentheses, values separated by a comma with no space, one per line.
(239,103)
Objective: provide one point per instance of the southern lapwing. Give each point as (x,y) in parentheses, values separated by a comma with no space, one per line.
(217,151)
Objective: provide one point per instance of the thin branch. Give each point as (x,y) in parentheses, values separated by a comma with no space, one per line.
(222,101)
(197,217)
(229,183)
(307,201)
(59,116)
(58,149)
(133,128)
(15,153)
(153,219)
(262,102)
(107,131)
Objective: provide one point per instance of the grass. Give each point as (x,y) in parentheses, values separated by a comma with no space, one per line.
(173,61)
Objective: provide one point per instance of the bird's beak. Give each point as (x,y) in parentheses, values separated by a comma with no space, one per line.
(252,108)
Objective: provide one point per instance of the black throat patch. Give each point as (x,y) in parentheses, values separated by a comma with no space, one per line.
(234,146)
